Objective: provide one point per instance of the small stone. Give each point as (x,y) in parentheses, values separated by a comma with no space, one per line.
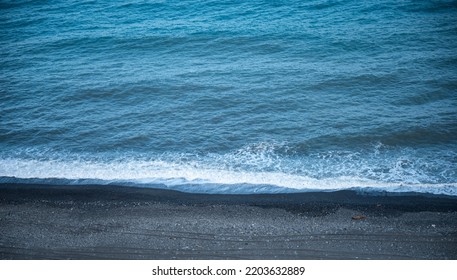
(359,217)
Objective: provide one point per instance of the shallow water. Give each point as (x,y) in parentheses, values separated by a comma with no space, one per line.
(230,96)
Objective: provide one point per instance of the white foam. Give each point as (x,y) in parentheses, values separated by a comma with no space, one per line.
(199,175)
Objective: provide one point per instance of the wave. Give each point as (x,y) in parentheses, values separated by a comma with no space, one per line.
(257,168)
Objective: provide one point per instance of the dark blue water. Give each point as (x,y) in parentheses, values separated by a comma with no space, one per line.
(230,96)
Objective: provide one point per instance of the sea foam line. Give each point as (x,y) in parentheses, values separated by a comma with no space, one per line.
(177,175)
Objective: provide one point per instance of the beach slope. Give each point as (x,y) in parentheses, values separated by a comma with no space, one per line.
(114,222)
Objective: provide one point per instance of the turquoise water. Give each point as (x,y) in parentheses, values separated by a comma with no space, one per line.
(230,96)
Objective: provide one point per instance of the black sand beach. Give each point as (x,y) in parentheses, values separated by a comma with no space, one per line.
(112,222)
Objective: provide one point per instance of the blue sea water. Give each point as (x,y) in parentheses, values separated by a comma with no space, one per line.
(230,96)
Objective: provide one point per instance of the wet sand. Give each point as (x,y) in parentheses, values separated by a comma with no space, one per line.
(113,222)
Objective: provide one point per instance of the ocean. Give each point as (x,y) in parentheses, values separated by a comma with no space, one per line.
(230,96)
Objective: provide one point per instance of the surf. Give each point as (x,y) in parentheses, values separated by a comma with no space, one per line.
(259,168)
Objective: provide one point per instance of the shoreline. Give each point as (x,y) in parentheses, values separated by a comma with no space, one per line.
(115,222)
